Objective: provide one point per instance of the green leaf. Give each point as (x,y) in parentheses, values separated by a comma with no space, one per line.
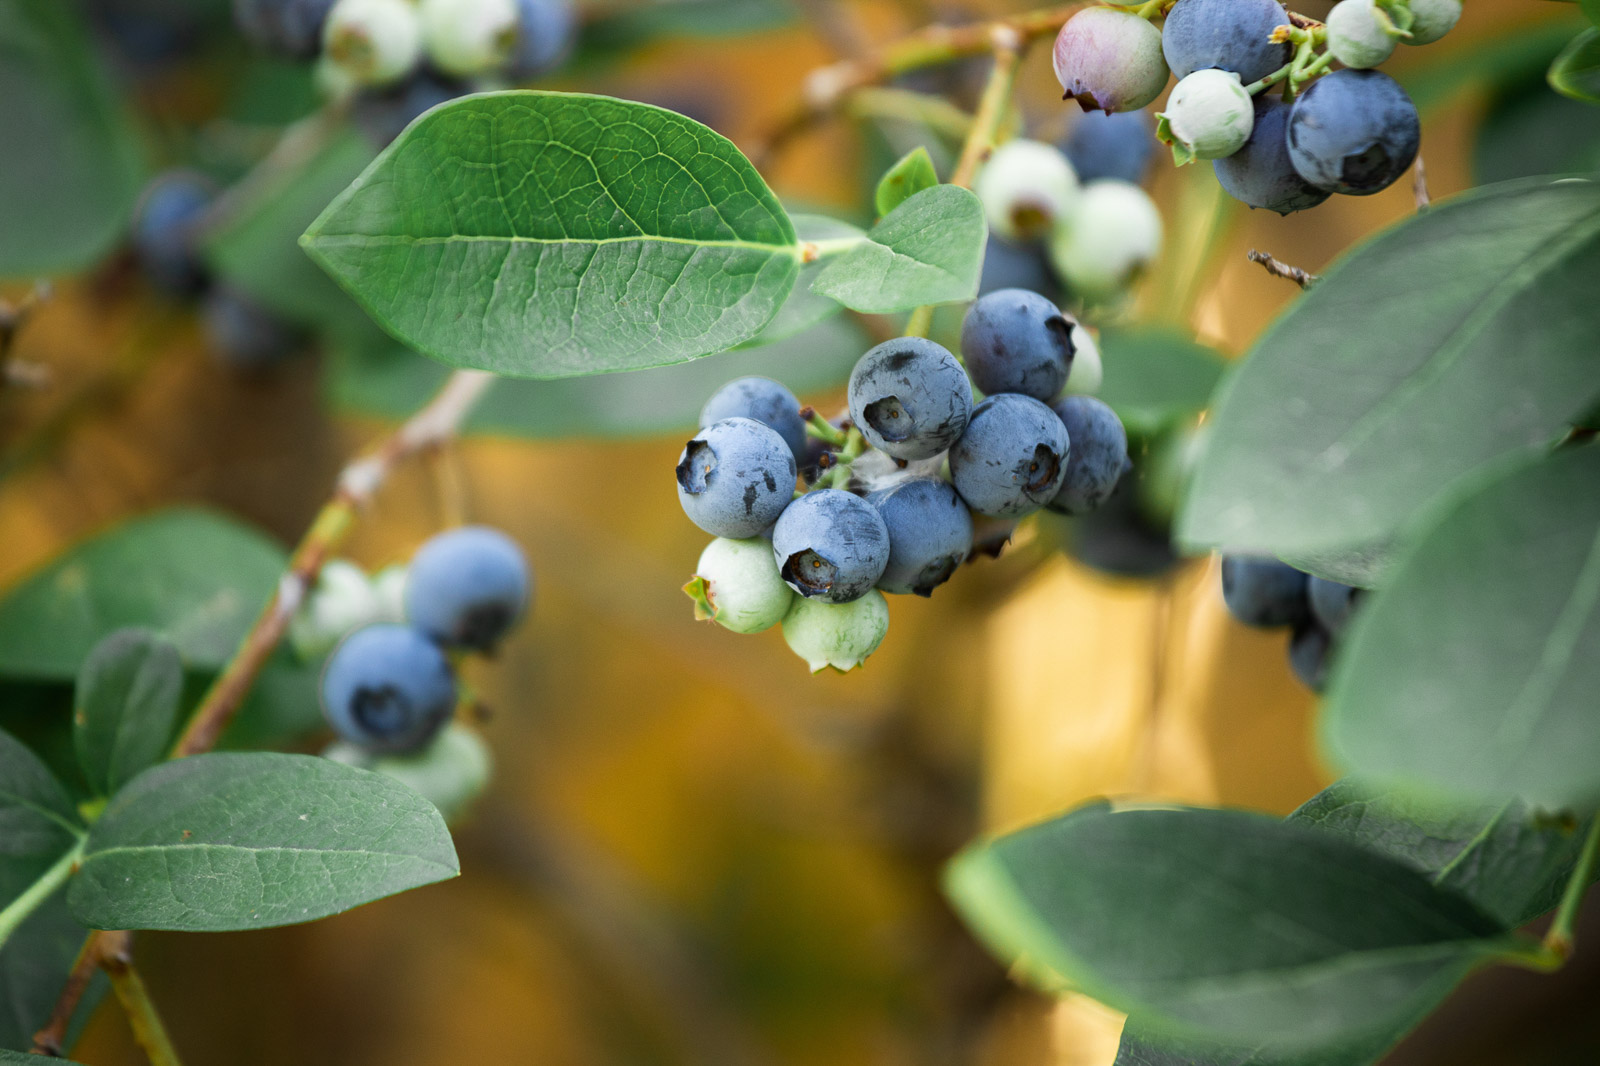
(72,167)
(1530,130)
(17,1058)
(382,378)
(1591,10)
(1156,377)
(38,823)
(1222,924)
(545,235)
(193,575)
(1576,71)
(246,841)
(1474,669)
(804,308)
(1394,377)
(911,175)
(34,964)
(127,704)
(255,245)
(929,250)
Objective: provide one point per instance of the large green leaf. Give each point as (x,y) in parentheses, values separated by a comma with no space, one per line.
(37,821)
(1474,669)
(929,250)
(246,841)
(385,379)
(193,575)
(127,705)
(1576,71)
(1457,337)
(72,167)
(1155,377)
(540,234)
(1222,925)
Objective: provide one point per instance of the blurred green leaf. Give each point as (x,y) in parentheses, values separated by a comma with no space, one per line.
(1473,670)
(127,705)
(911,175)
(1221,925)
(38,823)
(549,235)
(1393,377)
(804,308)
(72,168)
(34,964)
(1156,377)
(17,1058)
(1576,71)
(1442,73)
(1529,130)
(246,841)
(195,576)
(629,27)
(929,250)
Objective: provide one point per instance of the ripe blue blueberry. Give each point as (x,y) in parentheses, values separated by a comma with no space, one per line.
(164,230)
(1017,341)
(1009,265)
(289,28)
(1231,35)
(930,534)
(1332,603)
(1309,651)
(831,545)
(1098,456)
(545,32)
(388,688)
(910,398)
(382,112)
(1353,132)
(1109,60)
(735,477)
(764,400)
(1116,145)
(1120,538)
(1264,592)
(1260,174)
(242,334)
(1012,459)
(467,587)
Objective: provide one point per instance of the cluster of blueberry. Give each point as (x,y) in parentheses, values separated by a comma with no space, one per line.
(1353,131)
(397,58)
(891,489)
(389,686)
(1270,594)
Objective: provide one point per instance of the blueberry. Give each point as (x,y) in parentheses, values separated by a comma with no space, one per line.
(767,402)
(381,113)
(1260,174)
(831,545)
(1111,146)
(467,587)
(1109,60)
(1098,456)
(735,477)
(1012,459)
(450,772)
(1119,539)
(1026,187)
(373,42)
(1017,341)
(288,28)
(930,534)
(164,230)
(1331,603)
(1208,116)
(388,688)
(837,635)
(1231,35)
(1010,265)
(1358,36)
(1353,132)
(910,398)
(1264,592)
(1432,19)
(1112,237)
(546,30)
(468,37)
(737,585)
(242,333)
(1309,651)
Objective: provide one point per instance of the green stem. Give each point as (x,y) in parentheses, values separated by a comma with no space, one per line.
(1559,938)
(17,911)
(148,1030)
(1150,10)
(920,322)
(823,430)
(1256,88)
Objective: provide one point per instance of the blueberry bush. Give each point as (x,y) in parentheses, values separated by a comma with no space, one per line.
(1400,475)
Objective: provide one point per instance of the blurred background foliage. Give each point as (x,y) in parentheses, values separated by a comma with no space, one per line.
(692,852)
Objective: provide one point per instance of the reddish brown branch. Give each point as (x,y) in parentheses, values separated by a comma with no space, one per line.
(1276,267)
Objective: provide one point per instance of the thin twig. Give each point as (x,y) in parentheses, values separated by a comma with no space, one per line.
(1008,45)
(1278,268)
(1419,185)
(148,1030)
(97,946)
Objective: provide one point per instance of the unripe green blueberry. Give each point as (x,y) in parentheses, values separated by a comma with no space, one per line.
(1025,187)
(840,635)
(342,600)
(389,587)
(450,773)
(1110,60)
(1110,238)
(738,586)
(1432,19)
(1209,116)
(1087,372)
(373,41)
(468,37)
(1358,36)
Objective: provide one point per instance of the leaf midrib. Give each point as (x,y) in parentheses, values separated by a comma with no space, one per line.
(360,239)
(140,849)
